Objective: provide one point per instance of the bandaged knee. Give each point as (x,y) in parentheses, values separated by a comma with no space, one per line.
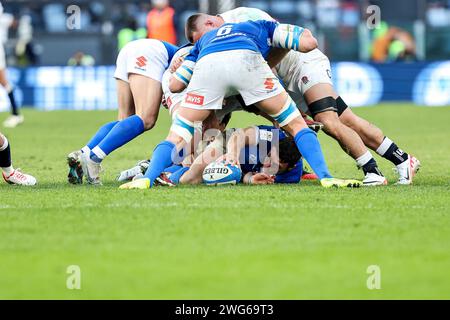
(183,127)
(287,36)
(288,113)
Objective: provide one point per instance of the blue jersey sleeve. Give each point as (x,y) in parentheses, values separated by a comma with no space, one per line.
(268,26)
(292,176)
(171,49)
(195,51)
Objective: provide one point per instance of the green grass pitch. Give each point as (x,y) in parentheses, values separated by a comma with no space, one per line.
(277,242)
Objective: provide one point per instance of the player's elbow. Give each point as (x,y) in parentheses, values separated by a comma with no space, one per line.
(175,85)
(308,41)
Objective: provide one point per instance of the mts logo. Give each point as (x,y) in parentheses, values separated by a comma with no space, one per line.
(194,99)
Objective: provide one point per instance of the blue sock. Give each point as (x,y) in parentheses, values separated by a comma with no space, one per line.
(122,133)
(101,134)
(309,146)
(173,168)
(161,159)
(176,176)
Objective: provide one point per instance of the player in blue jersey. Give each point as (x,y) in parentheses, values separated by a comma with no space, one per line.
(139,70)
(227,61)
(307,78)
(266,156)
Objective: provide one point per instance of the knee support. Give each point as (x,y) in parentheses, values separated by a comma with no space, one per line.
(288,113)
(323,105)
(182,127)
(341,106)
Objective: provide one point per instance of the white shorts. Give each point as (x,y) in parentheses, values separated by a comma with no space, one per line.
(301,71)
(222,74)
(147,57)
(2,57)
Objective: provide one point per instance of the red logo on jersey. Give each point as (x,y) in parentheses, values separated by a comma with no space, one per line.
(269,83)
(141,61)
(194,99)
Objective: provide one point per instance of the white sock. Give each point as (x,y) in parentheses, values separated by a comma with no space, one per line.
(8,170)
(384,146)
(366,157)
(86,150)
(99,153)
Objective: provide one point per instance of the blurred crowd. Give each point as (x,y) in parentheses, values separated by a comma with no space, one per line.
(134,19)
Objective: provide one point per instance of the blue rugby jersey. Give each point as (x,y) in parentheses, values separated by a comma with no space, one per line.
(251,35)
(171,49)
(252,157)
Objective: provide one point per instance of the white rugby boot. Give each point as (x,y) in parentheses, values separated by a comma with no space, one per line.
(91,169)
(138,170)
(13,121)
(17,177)
(372,179)
(407,170)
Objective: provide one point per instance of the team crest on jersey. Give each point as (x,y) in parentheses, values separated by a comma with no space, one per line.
(141,61)
(269,84)
(194,99)
(305,80)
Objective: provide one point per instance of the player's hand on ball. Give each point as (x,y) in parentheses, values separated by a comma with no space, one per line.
(262,178)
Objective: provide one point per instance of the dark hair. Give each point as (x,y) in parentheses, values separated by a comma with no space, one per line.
(191,26)
(288,152)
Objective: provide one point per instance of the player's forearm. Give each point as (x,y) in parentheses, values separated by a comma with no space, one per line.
(182,76)
(293,37)
(175,85)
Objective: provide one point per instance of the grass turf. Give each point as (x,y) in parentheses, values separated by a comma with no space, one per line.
(277,242)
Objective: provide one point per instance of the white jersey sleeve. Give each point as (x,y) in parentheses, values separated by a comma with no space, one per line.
(243,14)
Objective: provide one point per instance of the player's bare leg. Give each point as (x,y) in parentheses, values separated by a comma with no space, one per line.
(125,100)
(15,118)
(374,138)
(347,138)
(147,95)
(11,175)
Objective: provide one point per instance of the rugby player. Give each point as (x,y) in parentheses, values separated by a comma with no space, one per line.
(266,156)
(236,52)
(307,78)
(11,175)
(15,118)
(139,70)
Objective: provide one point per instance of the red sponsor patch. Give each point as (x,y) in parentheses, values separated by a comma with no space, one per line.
(194,99)
(141,61)
(269,83)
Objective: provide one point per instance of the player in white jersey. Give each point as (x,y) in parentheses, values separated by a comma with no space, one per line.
(307,76)
(139,70)
(15,118)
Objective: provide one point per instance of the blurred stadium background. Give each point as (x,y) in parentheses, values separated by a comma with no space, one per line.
(403,59)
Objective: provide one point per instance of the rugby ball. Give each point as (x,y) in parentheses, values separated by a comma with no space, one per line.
(217,173)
